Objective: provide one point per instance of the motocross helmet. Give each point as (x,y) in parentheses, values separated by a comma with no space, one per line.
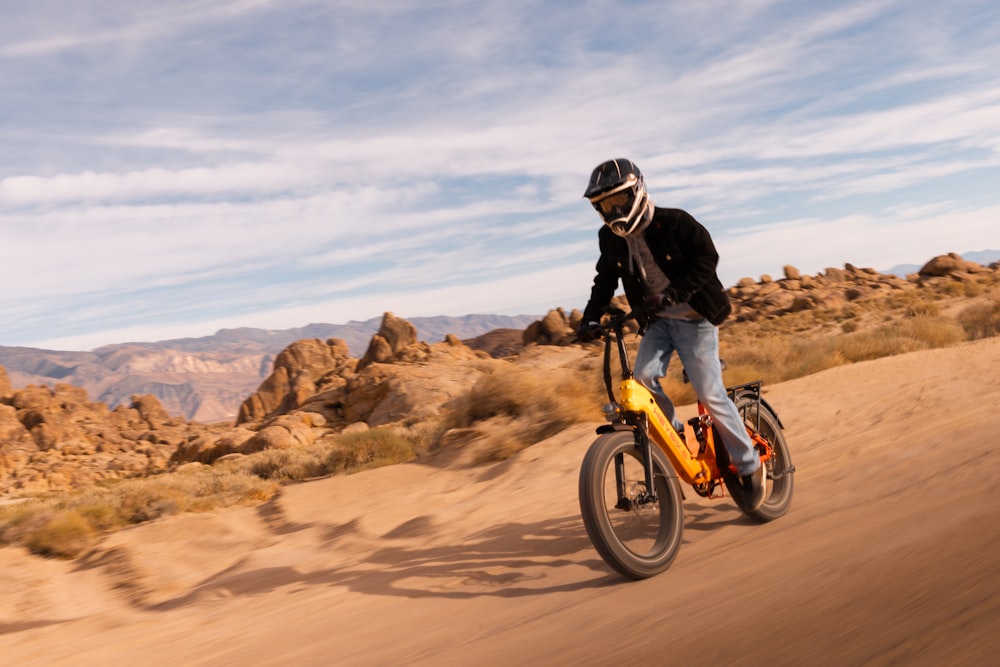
(618,193)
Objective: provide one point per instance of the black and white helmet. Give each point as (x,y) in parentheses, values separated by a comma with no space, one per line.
(618,192)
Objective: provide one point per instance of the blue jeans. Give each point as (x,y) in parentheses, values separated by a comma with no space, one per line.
(697,346)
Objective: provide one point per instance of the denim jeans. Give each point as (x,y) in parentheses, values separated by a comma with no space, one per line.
(697,346)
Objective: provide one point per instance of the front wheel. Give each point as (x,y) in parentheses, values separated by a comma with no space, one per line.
(636,535)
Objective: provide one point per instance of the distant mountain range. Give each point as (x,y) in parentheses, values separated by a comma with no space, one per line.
(984,257)
(207,378)
(357,335)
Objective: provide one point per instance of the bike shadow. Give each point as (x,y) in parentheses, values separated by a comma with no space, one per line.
(712,515)
(508,560)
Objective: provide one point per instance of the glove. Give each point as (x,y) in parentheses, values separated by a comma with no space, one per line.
(654,303)
(589,331)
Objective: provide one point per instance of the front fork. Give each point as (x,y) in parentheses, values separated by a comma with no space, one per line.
(649,495)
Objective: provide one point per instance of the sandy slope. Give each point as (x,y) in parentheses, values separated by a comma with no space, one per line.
(889,556)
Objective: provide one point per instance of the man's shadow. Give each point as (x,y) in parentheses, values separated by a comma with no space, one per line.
(508,560)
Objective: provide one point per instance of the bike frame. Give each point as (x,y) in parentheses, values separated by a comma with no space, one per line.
(636,409)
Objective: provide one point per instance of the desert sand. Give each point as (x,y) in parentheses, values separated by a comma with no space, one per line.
(889,555)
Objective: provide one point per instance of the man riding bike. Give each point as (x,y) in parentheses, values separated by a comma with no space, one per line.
(666,261)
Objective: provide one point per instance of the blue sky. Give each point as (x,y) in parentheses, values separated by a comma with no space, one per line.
(169,168)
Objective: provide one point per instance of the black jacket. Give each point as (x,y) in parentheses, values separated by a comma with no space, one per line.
(684,250)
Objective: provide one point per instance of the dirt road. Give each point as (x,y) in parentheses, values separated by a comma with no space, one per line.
(890,555)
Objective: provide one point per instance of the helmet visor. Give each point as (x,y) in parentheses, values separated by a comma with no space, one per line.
(615,205)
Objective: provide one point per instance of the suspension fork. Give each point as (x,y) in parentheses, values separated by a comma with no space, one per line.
(623,500)
(642,435)
(643,443)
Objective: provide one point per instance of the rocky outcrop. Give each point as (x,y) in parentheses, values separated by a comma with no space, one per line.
(556,328)
(208,378)
(835,288)
(396,340)
(951,265)
(204,385)
(832,288)
(769,298)
(301,370)
(316,390)
(55,438)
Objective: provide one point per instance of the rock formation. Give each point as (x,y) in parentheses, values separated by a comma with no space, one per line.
(56,438)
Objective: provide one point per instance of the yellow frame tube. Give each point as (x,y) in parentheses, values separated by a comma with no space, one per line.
(636,398)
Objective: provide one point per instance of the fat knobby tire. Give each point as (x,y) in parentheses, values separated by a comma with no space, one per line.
(597,507)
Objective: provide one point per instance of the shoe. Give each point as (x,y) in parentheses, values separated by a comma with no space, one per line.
(754,487)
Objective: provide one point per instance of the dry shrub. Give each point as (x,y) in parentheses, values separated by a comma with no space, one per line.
(376,447)
(973,288)
(65,535)
(773,355)
(425,435)
(782,358)
(981,320)
(194,490)
(502,446)
(950,288)
(560,395)
(923,309)
(287,465)
(908,335)
(536,404)
(679,391)
(66,525)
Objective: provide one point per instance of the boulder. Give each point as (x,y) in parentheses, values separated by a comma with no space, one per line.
(834,275)
(150,410)
(298,373)
(553,329)
(284,432)
(947,265)
(394,339)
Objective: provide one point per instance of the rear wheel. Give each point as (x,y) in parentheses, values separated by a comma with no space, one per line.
(780,472)
(636,536)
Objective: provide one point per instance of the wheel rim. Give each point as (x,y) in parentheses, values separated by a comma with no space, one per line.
(775,465)
(642,529)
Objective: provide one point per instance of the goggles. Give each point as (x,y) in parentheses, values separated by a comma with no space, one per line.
(615,206)
(615,202)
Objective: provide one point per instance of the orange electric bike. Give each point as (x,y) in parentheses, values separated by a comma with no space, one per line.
(630,481)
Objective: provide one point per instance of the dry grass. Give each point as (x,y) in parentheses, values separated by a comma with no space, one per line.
(523,406)
(981,320)
(527,406)
(369,449)
(67,525)
(346,453)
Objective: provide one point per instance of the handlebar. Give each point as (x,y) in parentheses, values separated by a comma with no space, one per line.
(616,325)
(618,319)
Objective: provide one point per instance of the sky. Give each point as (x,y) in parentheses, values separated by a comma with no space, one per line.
(169,168)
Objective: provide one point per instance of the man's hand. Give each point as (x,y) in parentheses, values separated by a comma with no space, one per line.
(589,331)
(654,303)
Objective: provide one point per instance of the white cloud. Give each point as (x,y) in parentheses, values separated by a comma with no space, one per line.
(254,162)
(908,235)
